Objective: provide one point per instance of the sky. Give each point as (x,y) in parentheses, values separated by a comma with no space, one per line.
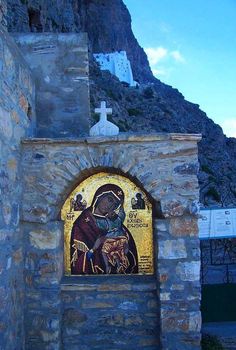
(191,45)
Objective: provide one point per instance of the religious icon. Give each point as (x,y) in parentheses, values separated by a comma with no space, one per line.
(107,236)
(139,202)
(77,203)
(107,245)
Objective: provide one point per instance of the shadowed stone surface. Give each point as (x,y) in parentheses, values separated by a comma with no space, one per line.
(17,120)
(60,67)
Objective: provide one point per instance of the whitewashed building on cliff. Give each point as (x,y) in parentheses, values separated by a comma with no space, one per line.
(118,64)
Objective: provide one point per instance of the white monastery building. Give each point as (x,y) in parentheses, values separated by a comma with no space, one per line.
(118,64)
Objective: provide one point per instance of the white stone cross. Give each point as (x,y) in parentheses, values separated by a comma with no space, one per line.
(103,111)
(104,127)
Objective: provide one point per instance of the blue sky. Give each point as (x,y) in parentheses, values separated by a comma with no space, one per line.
(191,46)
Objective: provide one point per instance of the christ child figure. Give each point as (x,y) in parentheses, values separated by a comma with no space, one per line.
(115,247)
(115,241)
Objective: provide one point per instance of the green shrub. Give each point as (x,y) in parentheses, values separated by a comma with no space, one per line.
(214,194)
(212,178)
(148,92)
(129,99)
(95,117)
(123,125)
(134,111)
(114,95)
(210,342)
(125,84)
(206,169)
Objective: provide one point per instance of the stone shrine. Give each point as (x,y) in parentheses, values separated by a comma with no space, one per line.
(104,127)
(46,154)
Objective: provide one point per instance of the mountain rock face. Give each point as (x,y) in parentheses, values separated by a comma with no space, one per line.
(154,106)
(157,107)
(107,22)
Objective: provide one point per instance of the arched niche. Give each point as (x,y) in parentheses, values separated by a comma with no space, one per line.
(108,227)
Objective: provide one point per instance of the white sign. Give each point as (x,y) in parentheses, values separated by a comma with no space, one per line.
(204,223)
(234,218)
(222,223)
(217,223)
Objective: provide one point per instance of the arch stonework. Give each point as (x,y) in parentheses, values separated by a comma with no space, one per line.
(60,308)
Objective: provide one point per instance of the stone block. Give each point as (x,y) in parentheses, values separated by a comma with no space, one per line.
(172,207)
(49,336)
(172,249)
(114,287)
(7,212)
(44,239)
(184,226)
(188,271)
(142,287)
(133,320)
(165,296)
(161,225)
(163,277)
(23,103)
(73,318)
(153,304)
(187,169)
(116,320)
(175,323)
(18,133)
(178,287)
(18,256)
(149,342)
(195,321)
(128,305)
(6,127)
(96,305)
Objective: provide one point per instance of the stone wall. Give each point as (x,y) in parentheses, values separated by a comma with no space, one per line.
(218,265)
(110,313)
(152,312)
(17,120)
(60,67)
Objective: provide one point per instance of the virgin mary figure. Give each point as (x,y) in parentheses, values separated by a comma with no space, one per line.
(100,242)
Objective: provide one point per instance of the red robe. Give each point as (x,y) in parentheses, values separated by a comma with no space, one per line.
(84,234)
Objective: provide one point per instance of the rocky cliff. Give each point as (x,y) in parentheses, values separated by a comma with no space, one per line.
(107,22)
(154,106)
